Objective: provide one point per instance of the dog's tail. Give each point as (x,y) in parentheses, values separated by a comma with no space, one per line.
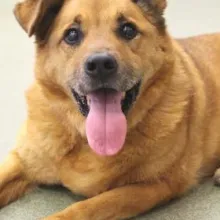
(13,183)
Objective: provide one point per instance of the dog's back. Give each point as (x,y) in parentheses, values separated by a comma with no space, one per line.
(204,52)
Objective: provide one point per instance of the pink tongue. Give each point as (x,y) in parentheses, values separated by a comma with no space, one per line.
(106,124)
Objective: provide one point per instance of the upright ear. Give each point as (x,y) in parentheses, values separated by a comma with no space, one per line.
(36,16)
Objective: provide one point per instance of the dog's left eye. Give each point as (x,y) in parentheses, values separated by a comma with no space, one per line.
(128,31)
(73,36)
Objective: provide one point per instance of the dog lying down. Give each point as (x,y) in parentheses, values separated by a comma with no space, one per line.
(119,111)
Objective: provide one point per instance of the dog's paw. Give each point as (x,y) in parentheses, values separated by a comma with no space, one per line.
(63,217)
(56,217)
(217,177)
(77,211)
(52,218)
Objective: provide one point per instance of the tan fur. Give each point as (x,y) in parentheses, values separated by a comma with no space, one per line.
(13,182)
(173,139)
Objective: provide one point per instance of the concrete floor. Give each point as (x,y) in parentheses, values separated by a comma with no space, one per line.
(188,17)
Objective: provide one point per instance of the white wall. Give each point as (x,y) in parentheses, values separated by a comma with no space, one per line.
(191,17)
(185,17)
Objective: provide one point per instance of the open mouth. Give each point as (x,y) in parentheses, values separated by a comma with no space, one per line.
(126,103)
(106,124)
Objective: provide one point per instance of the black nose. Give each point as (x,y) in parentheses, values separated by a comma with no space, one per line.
(101,65)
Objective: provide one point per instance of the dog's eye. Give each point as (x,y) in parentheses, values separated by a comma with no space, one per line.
(73,36)
(128,31)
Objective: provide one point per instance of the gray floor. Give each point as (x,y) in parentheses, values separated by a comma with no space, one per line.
(185,17)
(202,204)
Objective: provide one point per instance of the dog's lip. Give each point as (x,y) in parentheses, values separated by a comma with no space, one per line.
(106,90)
(128,98)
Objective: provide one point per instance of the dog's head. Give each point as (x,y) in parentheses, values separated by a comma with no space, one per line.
(93,49)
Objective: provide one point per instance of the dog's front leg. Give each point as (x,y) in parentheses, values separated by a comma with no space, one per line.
(119,203)
(13,182)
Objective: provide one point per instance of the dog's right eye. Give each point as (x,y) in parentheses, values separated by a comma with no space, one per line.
(73,36)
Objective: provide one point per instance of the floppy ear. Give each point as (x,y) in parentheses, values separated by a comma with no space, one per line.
(154,9)
(36,16)
(158,5)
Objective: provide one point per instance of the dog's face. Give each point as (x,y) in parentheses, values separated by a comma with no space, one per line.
(100,53)
(85,46)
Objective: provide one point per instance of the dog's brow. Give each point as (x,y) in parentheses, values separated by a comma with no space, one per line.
(121,18)
(78,19)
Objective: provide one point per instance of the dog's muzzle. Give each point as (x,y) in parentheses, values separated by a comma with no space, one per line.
(101,71)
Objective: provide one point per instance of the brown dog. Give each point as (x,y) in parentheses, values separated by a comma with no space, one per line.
(108,74)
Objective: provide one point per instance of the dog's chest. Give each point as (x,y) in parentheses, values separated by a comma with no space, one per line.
(89,175)
(87,182)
